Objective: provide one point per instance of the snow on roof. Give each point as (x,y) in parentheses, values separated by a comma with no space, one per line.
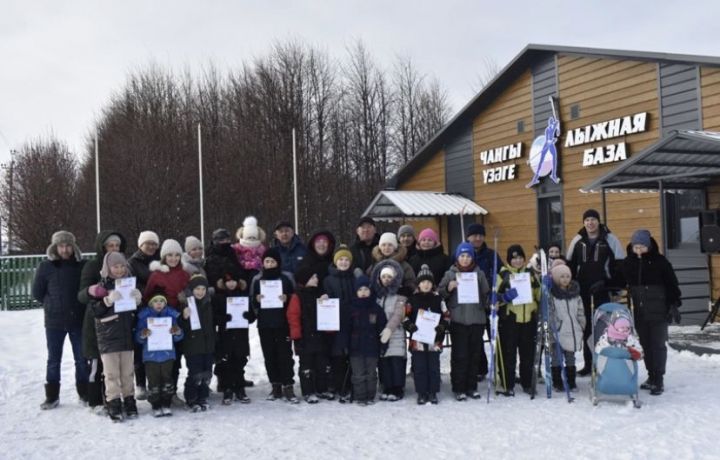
(398,204)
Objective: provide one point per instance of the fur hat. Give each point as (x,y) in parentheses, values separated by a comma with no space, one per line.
(641,236)
(425,275)
(146,236)
(475,229)
(464,248)
(63,237)
(197,280)
(389,237)
(558,269)
(191,243)
(170,247)
(591,213)
(111,259)
(342,251)
(513,251)
(405,230)
(250,235)
(429,234)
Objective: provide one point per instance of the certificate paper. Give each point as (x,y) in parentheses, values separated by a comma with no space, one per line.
(521,282)
(271,290)
(426,323)
(194,317)
(236,306)
(328,315)
(124,286)
(468,291)
(160,338)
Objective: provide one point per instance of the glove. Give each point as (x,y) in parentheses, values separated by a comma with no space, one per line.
(673,315)
(440,329)
(634,353)
(242,285)
(135,294)
(246,315)
(228,317)
(114,296)
(182,298)
(509,295)
(97,291)
(410,326)
(145,333)
(175,330)
(385,335)
(547,282)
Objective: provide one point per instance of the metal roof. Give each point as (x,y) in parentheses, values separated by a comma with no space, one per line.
(393,204)
(683,159)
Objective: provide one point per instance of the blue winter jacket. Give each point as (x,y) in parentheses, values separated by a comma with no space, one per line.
(292,255)
(156,356)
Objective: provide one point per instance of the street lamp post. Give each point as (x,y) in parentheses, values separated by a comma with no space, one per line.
(10,168)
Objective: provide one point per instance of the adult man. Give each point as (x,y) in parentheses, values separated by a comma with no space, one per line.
(593,256)
(367,238)
(55,286)
(485,258)
(292,251)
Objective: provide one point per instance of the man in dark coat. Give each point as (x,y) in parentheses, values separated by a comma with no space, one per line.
(292,250)
(55,286)
(367,239)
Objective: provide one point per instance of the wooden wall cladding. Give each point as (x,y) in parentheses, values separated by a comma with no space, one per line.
(430,177)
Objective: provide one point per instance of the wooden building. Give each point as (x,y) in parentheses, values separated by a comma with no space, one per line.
(614,109)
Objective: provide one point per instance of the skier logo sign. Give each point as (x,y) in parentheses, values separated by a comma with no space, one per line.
(543,157)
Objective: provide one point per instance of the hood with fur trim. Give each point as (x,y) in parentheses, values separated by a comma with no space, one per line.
(398,256)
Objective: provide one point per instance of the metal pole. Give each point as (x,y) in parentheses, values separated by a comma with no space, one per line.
(295,187)
(202,212)
(97,182)
(663,217)
(10,204)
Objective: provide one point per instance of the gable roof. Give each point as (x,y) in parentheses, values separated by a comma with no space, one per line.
(519,64)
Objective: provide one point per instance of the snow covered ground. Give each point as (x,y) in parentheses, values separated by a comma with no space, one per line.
(681,424)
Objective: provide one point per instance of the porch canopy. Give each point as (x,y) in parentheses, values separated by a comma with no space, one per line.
(683,159)
(396,205)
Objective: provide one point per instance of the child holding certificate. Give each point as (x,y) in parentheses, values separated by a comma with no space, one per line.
(158,320)
(115,338)
(465,288)
(310,342)
(233,348)
(427,321)
(270,293)
(519,296)
(198,325)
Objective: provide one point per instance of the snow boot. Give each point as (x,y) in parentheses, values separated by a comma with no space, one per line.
(657,388)
(288,393)
(422,400)
(52,396)
(130,407)
(557,378)
(433,398)
(248,383)
(240,394)
(473,394)
(585,371)
(276,392)
(460,397)
(648,384)
(166,411)
(82,391)
(227,397)
(141,393)
(571,374)
(115,410)
(312,399)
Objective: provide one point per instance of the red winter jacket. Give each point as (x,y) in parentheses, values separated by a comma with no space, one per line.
(171,282)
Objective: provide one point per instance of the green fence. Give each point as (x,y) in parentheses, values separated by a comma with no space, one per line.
(16,276)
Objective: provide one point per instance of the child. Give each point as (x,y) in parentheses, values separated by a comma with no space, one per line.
(387,277)
(619,334)
(568,320)
(467,323)
(115,339)
(310,344)
(517,323)
(390,249)
(367,320)
(274,330)
(233,347)
(426,358)
(158,364)
(198,346)
(339,285)
(168,274)
(250,246)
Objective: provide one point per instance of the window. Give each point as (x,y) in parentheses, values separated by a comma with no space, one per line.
(550,220)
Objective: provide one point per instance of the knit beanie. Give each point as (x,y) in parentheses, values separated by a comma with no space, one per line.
(146,236)
(475,229)
(591,213)
(641,237)
(464,248)
(613,330)
(191,243)
(558,269)
(112,237)
(111,259)
(425,275)
(388,270)
(197,280)
(389,238)
(513,251)
(361,281)
(303,274)
(170,247)
(429,234)
(158,294)
(342,251)
(405,230)
(273,253)
(250,234)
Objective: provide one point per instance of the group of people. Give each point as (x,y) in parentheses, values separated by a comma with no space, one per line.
(392,293)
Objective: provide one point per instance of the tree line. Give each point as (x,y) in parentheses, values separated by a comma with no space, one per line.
(356,123)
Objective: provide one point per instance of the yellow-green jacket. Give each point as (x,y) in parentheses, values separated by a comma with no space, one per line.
(523,312)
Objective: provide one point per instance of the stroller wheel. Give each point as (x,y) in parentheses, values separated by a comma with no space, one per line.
(636,402)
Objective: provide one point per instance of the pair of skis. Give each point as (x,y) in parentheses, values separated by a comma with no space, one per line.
(493,321)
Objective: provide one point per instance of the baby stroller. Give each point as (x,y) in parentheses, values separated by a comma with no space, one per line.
(613,371)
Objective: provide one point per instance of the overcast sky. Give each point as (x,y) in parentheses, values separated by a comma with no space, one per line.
(61,61)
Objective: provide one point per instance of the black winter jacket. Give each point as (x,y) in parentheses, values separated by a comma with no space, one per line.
(271,317)
(591,262)
(200,341)
(317,263)
(339,285)
(229,340)
(55,285)
(434,258)
(114,330)
(140,266)
(367,320)
(362,253)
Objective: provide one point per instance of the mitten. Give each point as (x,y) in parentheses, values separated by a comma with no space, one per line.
(97,291)
(135,294)
(175,330)
(410,326)
(182,298)
(634,353)
(145,333)
(114,296)
(673,314)
(510,295)
(247,315)
(385,335)
(228,317)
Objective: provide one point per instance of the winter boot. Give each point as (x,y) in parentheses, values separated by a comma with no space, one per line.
(648,384)
(130,407)
(240,394)
(433,398)
(585,371)
(227,397)
(288,393)
(658,387)
(422,400)
(557,378)
(82,391)
(141,393)
(248,383)
(571,374)
(275,393)
(52,396)
(312,399)
(115,410)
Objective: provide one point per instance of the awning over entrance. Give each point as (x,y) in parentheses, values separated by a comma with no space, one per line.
(394,204)
(684,159)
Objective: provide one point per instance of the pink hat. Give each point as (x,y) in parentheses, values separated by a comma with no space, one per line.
(614,331)
(559,269)
(429,233)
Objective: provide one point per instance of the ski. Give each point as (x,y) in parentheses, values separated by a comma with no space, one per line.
(545,320)
(493,321)
(539,344)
